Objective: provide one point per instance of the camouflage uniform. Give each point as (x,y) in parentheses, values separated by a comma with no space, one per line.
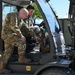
(37,31)
(40,32)
(11,35)
(25,28)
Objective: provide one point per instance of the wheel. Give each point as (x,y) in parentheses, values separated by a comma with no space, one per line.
(56,71)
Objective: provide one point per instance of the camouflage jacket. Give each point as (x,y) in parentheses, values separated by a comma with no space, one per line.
(25,28)
(29,21)
(10,26)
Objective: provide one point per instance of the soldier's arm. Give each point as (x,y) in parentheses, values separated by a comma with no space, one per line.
(26,31)
(14,24)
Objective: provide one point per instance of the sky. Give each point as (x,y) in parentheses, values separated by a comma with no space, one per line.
(61,7)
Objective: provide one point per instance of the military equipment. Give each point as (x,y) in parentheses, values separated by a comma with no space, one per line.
(57,60)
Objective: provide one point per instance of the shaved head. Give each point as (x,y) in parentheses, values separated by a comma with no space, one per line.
(23,13)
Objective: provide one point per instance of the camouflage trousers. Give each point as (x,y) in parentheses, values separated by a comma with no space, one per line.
(9,48)
(44,40)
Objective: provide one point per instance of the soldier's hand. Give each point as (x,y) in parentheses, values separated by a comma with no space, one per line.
(23,39)
(34,27)
(37,38)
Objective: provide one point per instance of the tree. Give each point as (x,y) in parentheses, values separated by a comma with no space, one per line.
(36,14)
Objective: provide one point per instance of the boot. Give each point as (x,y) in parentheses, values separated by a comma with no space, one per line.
(23,59)
(44,48)
(3,70)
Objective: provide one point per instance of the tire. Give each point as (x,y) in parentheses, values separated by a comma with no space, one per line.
(56,71)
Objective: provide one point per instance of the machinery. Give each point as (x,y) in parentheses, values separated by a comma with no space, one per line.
(58,61)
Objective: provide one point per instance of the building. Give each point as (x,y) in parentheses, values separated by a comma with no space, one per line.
(72,20)
(64,23)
